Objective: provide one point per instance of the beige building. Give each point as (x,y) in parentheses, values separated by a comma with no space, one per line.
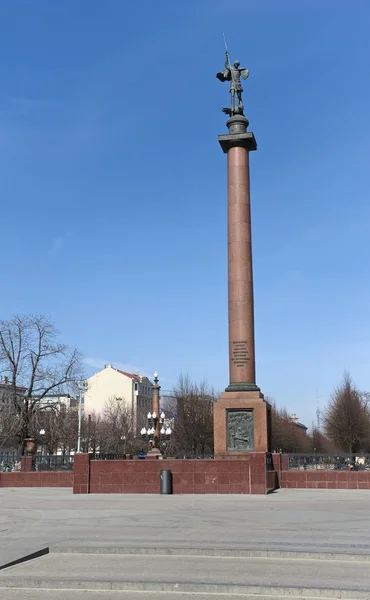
(109,383)
(60,402)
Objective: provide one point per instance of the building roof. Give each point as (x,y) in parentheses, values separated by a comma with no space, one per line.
(132,375)
(294,419)
(301,425)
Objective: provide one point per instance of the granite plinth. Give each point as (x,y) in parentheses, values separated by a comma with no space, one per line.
(252,400)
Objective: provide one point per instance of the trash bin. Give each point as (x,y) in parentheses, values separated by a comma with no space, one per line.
(166,482)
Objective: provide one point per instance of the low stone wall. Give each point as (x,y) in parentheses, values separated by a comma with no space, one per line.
(319,478)
(333,480)
(246,476)
(37,479)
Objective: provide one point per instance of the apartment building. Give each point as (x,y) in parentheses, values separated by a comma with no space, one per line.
(110,383)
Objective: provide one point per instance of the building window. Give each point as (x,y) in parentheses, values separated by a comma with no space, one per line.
(136,386)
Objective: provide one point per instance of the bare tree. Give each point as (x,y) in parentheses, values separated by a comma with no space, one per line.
(319,442)
(347,418)
(286,436)
(60,427)
(192,406)
(67,423)
(93,432)
(9,426)
(117,427)
(36,365)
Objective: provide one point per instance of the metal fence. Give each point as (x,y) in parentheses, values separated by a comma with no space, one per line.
(329,462)
(44,462)
(269,462)
(9,461)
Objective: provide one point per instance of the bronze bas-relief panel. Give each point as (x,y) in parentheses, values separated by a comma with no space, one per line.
(240,430)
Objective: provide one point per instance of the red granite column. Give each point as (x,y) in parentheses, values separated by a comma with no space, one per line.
(240,272)
(81,477)
(237,145)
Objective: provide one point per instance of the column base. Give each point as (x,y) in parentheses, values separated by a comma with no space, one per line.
(153,454)
(242,387)
(242,424)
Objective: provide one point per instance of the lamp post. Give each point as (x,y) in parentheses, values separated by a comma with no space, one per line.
(155,431)
(88,432)
(82,387)
(42,436)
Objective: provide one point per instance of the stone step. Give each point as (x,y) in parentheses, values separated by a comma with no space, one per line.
(181,592)
(67,548)
(270,577)
(38,594)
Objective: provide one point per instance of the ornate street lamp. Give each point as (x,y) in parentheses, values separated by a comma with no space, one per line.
(82,387)
(155,431)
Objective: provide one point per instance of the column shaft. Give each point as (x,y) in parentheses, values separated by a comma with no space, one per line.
(240,271)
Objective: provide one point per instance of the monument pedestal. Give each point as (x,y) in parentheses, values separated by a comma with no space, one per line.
(241,424)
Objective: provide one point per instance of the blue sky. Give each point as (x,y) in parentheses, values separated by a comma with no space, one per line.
(113,185)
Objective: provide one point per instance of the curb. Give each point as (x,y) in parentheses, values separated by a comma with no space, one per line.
(258,591)
(211,552)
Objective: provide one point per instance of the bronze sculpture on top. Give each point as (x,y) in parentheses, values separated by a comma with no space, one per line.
(233,74)
(241,416)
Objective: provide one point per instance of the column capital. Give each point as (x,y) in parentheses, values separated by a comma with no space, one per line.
(238,135)
(244,140)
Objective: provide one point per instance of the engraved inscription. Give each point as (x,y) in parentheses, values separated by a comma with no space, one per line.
(239,353)
(240,430)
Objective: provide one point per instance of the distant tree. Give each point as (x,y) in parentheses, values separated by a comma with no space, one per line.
(319,442)
(365,396)
(45,427)
(60,426)
(93,431)
(67,424)
(36,364)
(347,418)
(192,405)
(285,435)
(9,427)
(116,428)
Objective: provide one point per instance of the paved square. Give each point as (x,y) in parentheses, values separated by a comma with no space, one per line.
(191,541)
